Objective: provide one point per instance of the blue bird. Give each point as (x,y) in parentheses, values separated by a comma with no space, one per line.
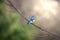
(31,20)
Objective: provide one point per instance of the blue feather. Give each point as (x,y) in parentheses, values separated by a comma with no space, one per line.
(31,20)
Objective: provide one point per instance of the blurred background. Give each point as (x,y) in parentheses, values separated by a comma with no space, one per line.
(14,27)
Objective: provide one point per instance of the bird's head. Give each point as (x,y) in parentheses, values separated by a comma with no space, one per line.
(33,17)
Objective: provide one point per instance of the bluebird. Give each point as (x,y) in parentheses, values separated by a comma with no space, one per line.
(31,20)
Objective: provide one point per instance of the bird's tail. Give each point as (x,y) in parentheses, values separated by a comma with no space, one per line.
(28,22)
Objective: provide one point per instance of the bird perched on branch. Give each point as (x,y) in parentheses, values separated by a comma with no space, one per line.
(31,20)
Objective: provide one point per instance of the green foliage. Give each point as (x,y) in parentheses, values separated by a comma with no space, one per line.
(1,1)
(10,28)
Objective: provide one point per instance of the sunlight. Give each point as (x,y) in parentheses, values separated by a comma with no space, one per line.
(46,8)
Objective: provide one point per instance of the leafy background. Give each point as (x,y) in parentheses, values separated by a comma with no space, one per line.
(11,26)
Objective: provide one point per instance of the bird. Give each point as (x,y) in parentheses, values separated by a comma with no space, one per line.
(31,20)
